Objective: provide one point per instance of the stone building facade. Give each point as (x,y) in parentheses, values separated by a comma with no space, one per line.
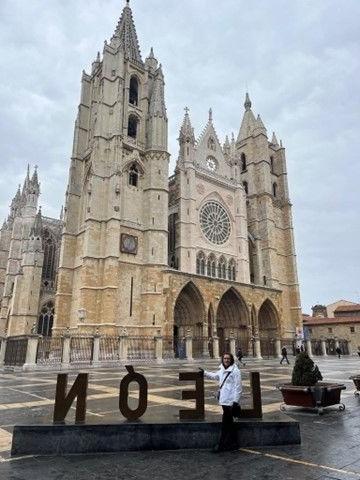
(332,326)
(208,252)
(29,257)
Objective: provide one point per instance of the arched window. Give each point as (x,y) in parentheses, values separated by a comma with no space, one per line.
(243,162)
(211,144)
(49,267)
(132,126)
(200,264)
(46,319)
(133,176)
(274,188)
(134,91)
(222,268)
(231,270)
(246,187)
(211,266)
(272,164)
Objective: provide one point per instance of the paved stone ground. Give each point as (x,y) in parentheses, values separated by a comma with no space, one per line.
(330,443)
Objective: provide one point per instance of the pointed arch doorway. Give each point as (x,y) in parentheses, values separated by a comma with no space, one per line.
(189,313)
(268,328)
(232,319)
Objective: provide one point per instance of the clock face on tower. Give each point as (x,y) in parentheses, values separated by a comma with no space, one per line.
(128,244)
(211,164)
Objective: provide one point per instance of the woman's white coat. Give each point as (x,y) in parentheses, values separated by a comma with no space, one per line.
(232,388)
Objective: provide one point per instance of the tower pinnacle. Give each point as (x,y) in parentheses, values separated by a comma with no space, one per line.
(247,103)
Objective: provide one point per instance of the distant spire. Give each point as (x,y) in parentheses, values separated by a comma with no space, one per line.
(186,130)
(157,101)
(247,103)
(226,147)
(62,213)
(126,33)
(210,115)
(36,229)
(151,53)
(151,63)
(260,127)
(274,140)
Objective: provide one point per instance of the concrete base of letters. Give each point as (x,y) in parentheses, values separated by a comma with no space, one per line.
(276,429)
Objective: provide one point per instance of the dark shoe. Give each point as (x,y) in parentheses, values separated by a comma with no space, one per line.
(217,449)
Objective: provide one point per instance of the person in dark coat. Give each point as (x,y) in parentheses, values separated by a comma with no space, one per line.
(239,356)
(284,356)
(338,351)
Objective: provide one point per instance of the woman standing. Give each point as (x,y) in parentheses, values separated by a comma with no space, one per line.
(229,378)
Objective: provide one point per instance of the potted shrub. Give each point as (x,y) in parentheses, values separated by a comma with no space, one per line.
(306,390)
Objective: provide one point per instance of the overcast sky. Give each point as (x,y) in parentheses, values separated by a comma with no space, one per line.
(299,60)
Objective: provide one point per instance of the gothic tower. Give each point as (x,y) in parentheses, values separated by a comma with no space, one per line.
(262,165)
(115,235)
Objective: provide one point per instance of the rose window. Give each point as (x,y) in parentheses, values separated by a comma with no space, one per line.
(215,223)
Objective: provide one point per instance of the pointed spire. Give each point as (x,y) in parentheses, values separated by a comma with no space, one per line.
(247,103)
(260,127)
(62,213)
(151,63)
(210,115)
(249,122)
(125,32)
(274,140)
(186,130)
(157,101)
(36,229)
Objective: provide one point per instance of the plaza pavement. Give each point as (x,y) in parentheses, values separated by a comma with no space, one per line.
(330,443)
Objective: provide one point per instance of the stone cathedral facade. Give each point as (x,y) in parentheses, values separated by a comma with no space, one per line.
(29,257)
(207,252)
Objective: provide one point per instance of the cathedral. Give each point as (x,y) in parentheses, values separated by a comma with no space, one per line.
(207,252)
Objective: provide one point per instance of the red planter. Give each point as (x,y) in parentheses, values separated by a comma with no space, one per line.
(317,397)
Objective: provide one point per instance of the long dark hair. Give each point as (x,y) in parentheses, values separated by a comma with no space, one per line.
(232,361)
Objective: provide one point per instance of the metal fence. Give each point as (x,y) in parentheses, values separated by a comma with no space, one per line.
(15,353)
(168,348)
(81,349)
(49,351)
(109,349)
(198,346)
(140,348)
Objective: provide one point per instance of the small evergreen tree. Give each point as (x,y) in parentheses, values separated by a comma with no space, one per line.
(305,371)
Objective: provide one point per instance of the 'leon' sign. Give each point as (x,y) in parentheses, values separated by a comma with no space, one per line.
(78,391)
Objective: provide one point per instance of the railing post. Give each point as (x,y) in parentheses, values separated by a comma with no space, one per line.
(123,347)
(96,351)
(257,348)
(308,348)
(278,348)
(31,351)
(189,347)
(2,352)
(65,362)
(159,347)
(215,346)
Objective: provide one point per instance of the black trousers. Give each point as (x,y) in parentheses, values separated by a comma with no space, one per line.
(228,438)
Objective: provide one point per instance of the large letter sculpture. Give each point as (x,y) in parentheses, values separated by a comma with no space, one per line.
(63,402)
(198,395)
(132,376)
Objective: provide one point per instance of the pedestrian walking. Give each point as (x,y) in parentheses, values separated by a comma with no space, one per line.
(240,356)
(229,377)
(284,356)
(302,348)
(338,351)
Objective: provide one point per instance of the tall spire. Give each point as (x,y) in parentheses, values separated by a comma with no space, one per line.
(274,140)
(249,122)
(125,32)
